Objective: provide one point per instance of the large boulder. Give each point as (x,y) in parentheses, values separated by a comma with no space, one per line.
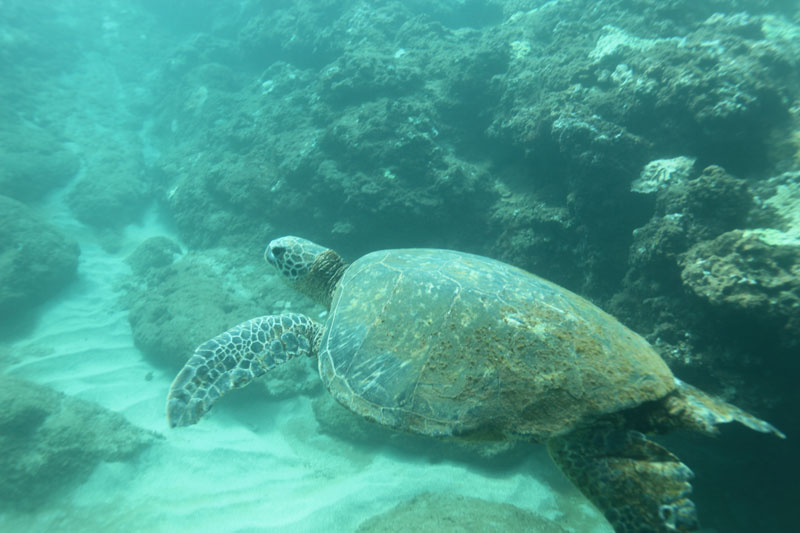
(743,271)
(36,260)
(429,512)
(176,307)
(51,442)
(178,303)
(114,190)
(32,162)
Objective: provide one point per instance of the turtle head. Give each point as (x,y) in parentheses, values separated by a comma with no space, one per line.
(308,267)
(293,256)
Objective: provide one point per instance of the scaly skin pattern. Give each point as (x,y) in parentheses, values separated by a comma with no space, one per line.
(233,359)
(307,267)
(637,484)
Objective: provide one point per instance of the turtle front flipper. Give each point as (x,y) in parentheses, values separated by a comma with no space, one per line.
(233,359)
(637,484)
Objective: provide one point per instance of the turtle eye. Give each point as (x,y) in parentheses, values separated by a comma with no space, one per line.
(274,255)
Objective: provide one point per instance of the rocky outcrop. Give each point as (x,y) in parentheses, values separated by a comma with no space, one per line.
(36,259)
(32,161)
(430,512)
(178,302)
(740,271)
(51,442)
(114,190)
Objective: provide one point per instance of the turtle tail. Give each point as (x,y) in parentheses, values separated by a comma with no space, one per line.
(233,359)
(637,484)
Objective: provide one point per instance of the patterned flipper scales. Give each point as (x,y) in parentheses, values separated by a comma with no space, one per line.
(233,359)
(638,485)
(690,408)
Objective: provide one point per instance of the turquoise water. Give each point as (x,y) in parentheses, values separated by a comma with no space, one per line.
(645,156)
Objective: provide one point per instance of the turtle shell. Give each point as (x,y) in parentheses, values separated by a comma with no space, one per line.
(447,343)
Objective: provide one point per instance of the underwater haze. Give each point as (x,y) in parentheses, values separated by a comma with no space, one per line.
(642,154)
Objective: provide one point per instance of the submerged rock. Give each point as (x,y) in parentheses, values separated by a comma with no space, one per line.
(175,306)
(50,442)
(36,260)
(742,271)
(437,513)
(114,191)
(712,203)
(32,161)
(688,209)
(153,253)
(660,173)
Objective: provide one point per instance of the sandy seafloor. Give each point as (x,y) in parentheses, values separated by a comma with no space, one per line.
(262,468)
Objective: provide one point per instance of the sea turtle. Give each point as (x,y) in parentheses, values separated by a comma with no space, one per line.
(451,344)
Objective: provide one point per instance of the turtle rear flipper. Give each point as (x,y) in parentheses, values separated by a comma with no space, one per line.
(233,359)
(689,407)
(637,484)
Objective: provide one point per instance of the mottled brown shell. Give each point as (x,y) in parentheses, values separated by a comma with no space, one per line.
(447,343)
